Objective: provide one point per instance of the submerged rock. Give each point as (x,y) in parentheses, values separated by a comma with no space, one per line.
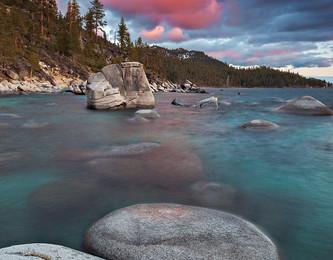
(131,149)
(112,151)
(170,168)
(306,105)
(43,252)
(147,114)
(170,231)
(32,124)
(3,125)
(9,156)
(120,86)
(259,124)
(213,194)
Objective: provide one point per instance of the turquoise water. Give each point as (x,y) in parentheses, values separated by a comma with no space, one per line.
(52,188)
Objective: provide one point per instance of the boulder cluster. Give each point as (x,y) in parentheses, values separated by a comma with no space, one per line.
(167,86)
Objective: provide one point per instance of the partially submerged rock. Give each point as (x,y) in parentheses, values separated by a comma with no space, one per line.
(175,102)
(120,86)
(259,124)
(149,114)
(208,101)
(306,105)
(43,252)
(9,115)
(170,231)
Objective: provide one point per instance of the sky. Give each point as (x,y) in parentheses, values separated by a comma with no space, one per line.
(290,35)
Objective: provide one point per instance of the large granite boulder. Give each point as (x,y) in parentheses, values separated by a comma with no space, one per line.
(120,86)
(305,106)
(43,251)
(170,231)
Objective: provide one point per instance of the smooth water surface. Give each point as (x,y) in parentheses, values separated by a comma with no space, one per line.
(57,175)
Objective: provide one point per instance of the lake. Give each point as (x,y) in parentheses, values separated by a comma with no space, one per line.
(58,176)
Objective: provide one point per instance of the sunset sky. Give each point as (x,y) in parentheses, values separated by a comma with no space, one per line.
(294,35)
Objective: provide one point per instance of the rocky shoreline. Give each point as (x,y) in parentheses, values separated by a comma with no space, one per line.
(78,86)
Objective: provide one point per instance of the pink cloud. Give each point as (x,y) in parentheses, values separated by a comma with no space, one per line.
(186,14)
(155,34)
(224,54)
(275,52)
(176,35)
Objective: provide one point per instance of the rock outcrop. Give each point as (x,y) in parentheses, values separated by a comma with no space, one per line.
(306,105)
(259,124)
(170,231)
(78,88)
(44,252)
(120,86)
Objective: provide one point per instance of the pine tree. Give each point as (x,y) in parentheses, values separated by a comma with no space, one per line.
(63,43)
(73,26)
(139,43)
(89,24)
(73,17)
(46,14)
(98,14)
(124,39)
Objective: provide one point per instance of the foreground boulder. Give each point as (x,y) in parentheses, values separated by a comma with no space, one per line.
(170,231)
(259,124)
(43,251)
(306,106)
(120,86)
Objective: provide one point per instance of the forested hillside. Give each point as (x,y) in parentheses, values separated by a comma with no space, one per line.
(34,32)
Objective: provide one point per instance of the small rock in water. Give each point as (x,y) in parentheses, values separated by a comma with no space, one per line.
(305,106)
(259,124)
(43,252)
(178,232)
(147,114)
(9,115)
(208,101)
(33,124)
